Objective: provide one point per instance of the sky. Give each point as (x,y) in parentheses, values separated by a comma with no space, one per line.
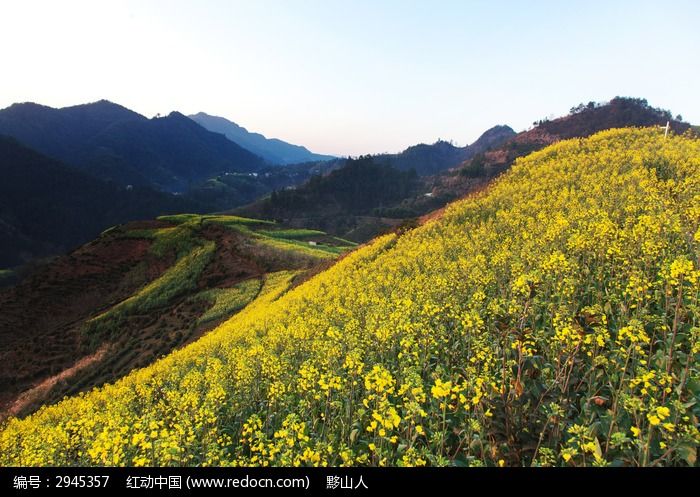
(348,77)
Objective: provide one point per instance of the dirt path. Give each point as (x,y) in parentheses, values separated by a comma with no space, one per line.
(26,397)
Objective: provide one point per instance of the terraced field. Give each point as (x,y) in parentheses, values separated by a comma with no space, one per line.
(136,293)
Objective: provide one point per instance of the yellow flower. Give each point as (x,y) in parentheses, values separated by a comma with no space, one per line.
(663,412)
(589,447)
(441,389)
(568,453)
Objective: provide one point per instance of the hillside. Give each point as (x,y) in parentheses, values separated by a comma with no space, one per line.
(582,121)
(47,207)
(335,201)
(229,190)
(113,143)
(273,150)
(548,320)
(136,293)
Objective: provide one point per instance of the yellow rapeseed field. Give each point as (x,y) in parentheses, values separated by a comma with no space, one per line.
(550,320)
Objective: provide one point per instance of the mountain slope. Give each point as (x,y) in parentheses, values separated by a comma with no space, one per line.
(135,293)
(272,150)
(357,188)
(47,207)
(114,143)
(432,159)
(362,197)
(549,320)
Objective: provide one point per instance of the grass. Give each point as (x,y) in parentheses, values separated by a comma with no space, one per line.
(293,234)
(226,220)
(179,218)
(183,218)
(177,239)
(301,248)
(184,241)
(227,301)
(344,241)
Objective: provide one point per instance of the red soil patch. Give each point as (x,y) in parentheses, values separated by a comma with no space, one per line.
(41,316)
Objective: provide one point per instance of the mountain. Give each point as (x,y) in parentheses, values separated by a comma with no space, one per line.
(136,292)
(47,207)
(491,138)
(113,143)
(549,320)
(427,160)
(340,200)
(272,150)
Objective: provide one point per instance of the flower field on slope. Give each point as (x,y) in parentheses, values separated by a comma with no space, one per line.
(551,320)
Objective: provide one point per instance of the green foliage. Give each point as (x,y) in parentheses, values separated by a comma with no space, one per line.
(475,168)
(359,187)
(237,220)
(180,218)
(293,234)
(177,280)
(227,301)
(343,241)
(300,248)
(201,218)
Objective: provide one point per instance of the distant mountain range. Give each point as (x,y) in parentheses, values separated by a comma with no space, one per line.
(272,150)
(441,155)
(69,173)
(347,200)
(114,143)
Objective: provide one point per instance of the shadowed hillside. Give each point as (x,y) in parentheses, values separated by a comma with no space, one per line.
(135,293)
(47,207)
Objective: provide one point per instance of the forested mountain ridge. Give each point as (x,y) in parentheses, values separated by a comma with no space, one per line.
(110,142)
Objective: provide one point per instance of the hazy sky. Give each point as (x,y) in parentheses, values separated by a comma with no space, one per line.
(352,77)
